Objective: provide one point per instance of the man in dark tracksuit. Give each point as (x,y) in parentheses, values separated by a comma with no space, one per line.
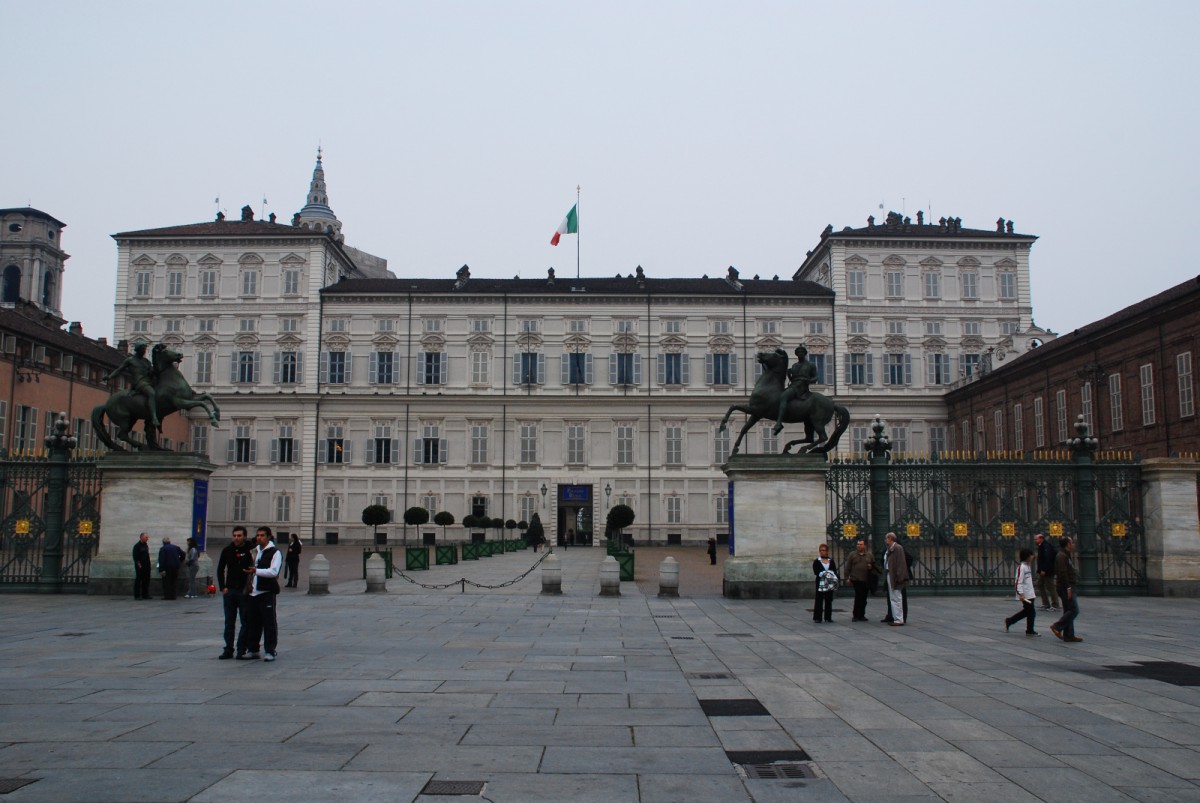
(263,593)
(231,577)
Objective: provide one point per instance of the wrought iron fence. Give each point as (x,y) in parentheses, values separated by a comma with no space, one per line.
(964,520)
(23,495)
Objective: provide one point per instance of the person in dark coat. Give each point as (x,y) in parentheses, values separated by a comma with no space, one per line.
(895,568)
(231,578)
(291,569)
(170,558)
(858,570)
(141,567)
(1068,582)
(1046,582)
(826,573)
(712,552)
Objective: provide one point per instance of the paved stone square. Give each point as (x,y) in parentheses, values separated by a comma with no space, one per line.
(581,697)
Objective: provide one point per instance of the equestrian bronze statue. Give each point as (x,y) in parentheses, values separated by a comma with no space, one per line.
(771,401)
(159,389)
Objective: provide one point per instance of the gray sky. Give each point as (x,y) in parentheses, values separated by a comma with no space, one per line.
(704,134)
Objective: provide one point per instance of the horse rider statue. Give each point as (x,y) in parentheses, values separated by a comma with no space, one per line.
(142,376)
(802,374)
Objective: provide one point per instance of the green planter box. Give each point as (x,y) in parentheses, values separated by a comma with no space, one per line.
(625,561)
(416,558)
(446,554)
(522,544)
(470,551)
(614,547)
(386,554)
(511,545)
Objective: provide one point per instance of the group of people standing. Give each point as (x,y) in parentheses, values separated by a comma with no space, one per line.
(170,560)
(248,578)
(1056,579)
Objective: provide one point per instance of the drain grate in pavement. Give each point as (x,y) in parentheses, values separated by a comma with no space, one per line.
(1171,672)
(684,638)
(453,788)
(734,708)
(779,771)
(13,784)
(732,635)
(665,616)
(708,675)
(72,635)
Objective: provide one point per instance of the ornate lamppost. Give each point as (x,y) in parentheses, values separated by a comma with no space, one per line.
(879,447)
(1083,448)
(60,445)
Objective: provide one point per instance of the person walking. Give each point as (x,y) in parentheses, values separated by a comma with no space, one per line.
(291,569)
(193,566)
(826,572)
(141,567)
(1024,583)
(264,587)
(170,558)
(712,552)
(1045,573)
(895,566)
(857,570)
(1068,582)
(231,579)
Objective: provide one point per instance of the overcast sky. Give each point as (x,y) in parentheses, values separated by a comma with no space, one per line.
(703,134)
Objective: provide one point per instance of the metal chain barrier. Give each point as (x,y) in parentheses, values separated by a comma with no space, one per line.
(464,582)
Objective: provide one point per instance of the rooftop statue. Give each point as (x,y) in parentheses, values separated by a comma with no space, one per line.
(159,389)
(795,405)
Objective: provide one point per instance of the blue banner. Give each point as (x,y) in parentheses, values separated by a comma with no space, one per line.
(731,552)
(574,493)
(200,512)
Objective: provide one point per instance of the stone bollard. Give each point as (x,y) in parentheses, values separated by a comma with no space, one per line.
(551,575)
(318,575)
(668,577)
(376,571)
(610,578)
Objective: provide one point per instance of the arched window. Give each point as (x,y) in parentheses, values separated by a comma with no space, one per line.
(48,290)
(11,291)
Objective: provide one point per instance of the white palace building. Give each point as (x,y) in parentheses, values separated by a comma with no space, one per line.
(342,386)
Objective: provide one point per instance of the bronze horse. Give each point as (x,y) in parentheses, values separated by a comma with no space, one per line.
(815,412)
(126,408)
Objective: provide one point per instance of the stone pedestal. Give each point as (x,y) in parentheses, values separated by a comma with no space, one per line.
(1172,527)
(151,492)
(779,520)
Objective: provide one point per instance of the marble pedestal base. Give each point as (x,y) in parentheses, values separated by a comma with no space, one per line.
(779,520)
(149,492)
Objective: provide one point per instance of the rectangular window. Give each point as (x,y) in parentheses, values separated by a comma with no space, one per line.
(200,438)
(998,429)
(430,503)
(336,446)
(287,370)
(175,283)
(721,446)
(770,441)
(672,326)
(577,326)
(480,367)
(528,432)
(249,283)
(140,326)
(479,444)
(899,437)
(1085,403)
(143,283)
(204,363)
(932,282)
(970,328)
(172,325)
(333,508)
(674,509)
(1183,372)
(238,504)
(528,508)
(208,283)
(625,326)
(628,369)
(896,328)
(206,325)
(245,367)
(247,325)
(576,444)
(1008,285)
(481,325)
(966,434)
(336,363)
(1039,424)
(1146,375)
(816,327)
(721,514)
(479,506)
(529,326)
(431,325)
(895,284)
(243,448)
(859,369)
(338,325)
(933,328)
(721,369)
(625,444)
(818,361)
(937,368)
(529,368)
(937,438)
(899,369)
(291,282)
(430,448)
(384,325)
(285,445)
(768,327)
(1116,410)
(283,508)
(383,446)
(383,368)
(673,445)
(1010,327)
(858,326)
(25,429)
(722,327)
(980,443)
(1060,415)
(970,364)
(1018,428)
(856,282)
(432,368)
(578,369)
(970,285)
(674,369)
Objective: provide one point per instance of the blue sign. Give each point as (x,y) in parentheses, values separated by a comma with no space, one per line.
(730,501)
(200,512)
(574,493)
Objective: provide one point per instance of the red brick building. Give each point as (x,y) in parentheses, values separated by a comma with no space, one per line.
(1131,375)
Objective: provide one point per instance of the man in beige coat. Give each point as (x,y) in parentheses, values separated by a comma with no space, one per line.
(896,568)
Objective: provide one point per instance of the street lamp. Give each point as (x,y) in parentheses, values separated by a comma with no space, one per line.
(608,494)
(544,490)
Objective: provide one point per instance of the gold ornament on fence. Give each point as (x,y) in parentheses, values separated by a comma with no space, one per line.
(1008,529)
(913,530)
(960,529)
(1118,529)
(849,530)
(1056,529)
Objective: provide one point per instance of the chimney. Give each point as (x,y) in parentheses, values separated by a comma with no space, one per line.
(76,328)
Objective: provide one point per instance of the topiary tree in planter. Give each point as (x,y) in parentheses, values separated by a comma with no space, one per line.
(619,517)
(496,524)
(443,520)
(375,515)
(415,516)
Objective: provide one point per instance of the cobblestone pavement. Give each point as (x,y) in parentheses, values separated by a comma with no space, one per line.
(580,697)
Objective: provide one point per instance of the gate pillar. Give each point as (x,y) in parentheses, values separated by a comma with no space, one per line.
(151,492)
(1172,525)
(779,520)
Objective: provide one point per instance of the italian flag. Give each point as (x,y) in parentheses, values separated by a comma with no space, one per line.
(570,225)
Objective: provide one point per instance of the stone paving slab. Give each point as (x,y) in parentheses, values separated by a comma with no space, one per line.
(580,697)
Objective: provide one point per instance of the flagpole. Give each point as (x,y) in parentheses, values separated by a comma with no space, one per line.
(578,229)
